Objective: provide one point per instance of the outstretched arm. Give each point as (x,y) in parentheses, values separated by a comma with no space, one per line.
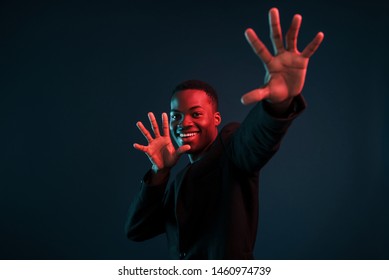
(260,134)
(286,69)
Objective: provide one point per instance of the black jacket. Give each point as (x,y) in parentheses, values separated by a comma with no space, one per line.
(210,210)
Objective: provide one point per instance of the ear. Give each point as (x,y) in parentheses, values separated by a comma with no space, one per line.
(217,118)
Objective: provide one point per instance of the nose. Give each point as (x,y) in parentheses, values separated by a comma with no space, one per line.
(185,121)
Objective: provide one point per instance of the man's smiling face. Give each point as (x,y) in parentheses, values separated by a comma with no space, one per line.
(193,121)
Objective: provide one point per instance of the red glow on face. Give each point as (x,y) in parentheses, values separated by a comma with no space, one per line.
(193,120)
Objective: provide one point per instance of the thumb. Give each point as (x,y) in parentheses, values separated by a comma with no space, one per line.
(182,149)
(255,95)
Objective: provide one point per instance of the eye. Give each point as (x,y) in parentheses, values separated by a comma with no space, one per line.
(175,117)
(196,114)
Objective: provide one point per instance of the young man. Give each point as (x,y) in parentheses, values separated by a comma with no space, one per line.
(210,210)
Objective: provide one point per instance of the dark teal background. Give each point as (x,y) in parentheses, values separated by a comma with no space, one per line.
(76,76)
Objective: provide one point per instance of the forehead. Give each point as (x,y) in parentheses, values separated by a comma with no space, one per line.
(186,99)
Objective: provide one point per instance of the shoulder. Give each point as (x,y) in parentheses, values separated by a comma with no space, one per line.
(229,129)
(227,133)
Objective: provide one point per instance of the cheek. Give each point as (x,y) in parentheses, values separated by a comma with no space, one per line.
(172,126)
(208,128)
(206,124)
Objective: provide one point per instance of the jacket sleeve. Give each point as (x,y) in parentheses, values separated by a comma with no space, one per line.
(145,217)
(259,136)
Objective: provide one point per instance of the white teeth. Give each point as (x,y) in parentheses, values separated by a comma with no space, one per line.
(182,135)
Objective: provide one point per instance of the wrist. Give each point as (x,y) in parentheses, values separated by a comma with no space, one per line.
(157,176)
(161,171)
(279,109)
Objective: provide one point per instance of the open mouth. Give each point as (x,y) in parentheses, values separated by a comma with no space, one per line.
(188,134)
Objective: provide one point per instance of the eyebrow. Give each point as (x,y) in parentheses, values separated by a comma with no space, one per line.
(191,108)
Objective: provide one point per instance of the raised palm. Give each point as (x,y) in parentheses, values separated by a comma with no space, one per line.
(286,70)
(160,149)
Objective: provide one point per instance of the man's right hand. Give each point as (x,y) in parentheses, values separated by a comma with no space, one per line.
(160,149)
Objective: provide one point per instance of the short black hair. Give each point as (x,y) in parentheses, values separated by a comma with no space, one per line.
(200,85)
